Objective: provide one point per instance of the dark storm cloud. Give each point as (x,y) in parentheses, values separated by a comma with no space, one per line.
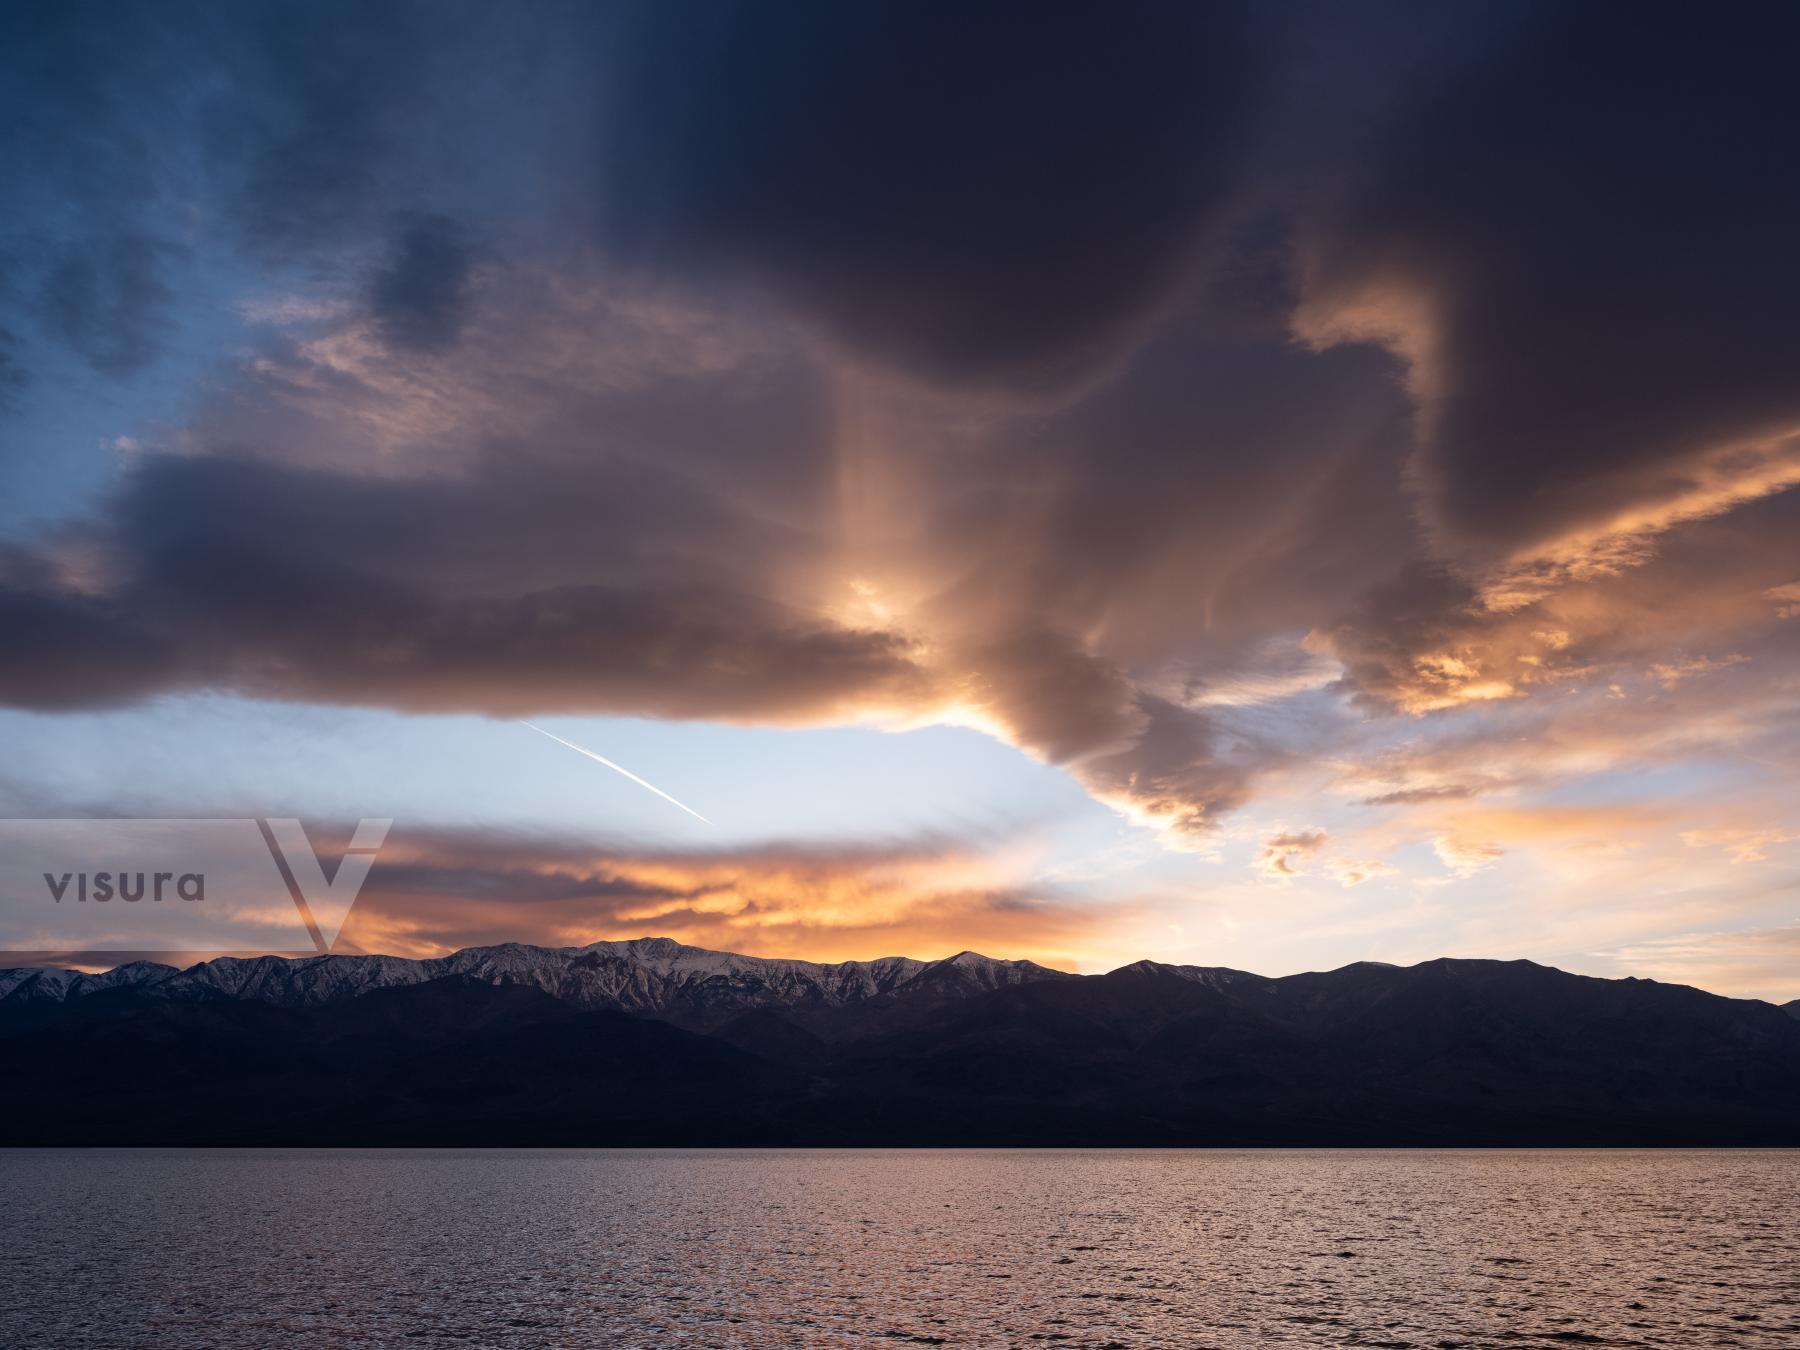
(1584,243)
(1055,695)
(1217,489)
(1177,773)
(420,297)
(1152,758)
(989,193)
(66,651)
(284,583)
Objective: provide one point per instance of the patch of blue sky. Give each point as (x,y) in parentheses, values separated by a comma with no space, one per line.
(214,754)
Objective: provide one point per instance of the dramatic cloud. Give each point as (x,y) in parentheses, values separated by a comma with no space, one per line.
(1195,400)
(219,563)
(495,592)
(1427,641)
(1577,245)
(988,193)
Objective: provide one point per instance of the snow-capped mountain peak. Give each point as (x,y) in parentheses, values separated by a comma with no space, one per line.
(653,975)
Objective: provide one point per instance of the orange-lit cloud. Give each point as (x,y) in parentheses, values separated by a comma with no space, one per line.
(1282,853)
(1464,855)
(434,896)
(1740,844)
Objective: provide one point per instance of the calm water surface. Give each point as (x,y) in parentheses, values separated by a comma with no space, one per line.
(683,1248)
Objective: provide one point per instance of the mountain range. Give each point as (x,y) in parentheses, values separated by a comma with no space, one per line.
(652,1042)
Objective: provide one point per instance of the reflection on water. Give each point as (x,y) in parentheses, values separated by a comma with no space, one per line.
(1187,1249)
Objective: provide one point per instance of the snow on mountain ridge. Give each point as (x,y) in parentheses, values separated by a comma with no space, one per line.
(651,975)
(45,985)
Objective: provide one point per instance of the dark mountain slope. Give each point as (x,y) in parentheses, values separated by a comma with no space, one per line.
(1448,1052)
(448,1062)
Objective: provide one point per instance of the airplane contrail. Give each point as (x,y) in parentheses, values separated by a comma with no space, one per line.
(616,768)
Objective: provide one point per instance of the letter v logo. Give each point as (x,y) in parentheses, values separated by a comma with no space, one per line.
(324,905)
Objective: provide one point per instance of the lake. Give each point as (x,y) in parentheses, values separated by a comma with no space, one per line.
(1070,1248)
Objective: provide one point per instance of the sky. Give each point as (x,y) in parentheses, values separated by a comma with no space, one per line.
(1265,486)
